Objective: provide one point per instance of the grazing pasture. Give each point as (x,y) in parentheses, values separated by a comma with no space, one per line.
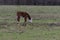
(45,26)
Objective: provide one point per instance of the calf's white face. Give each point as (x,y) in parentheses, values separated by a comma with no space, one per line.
(30,21)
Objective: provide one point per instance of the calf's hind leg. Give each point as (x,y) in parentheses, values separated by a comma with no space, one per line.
(18,19)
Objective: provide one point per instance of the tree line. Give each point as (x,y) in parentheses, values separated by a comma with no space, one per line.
(29,2)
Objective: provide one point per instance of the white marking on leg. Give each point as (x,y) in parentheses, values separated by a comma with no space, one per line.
(17,22)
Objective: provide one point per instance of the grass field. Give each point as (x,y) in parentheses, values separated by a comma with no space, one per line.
(45,26)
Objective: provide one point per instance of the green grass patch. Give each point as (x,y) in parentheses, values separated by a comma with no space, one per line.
(8,14)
